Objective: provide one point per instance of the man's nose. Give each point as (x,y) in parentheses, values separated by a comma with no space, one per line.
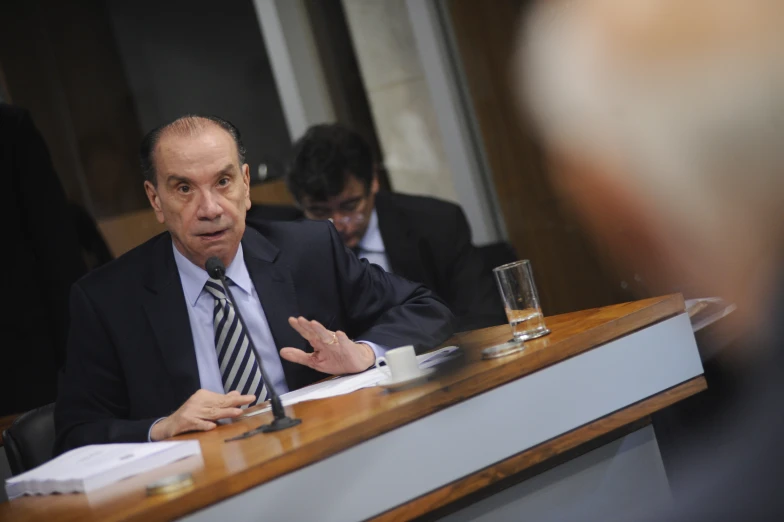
(209,207)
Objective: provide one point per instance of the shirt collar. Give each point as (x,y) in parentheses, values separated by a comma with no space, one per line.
(193,277)
(372,241)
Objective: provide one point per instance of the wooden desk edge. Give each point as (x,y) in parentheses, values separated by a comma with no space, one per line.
(655,310)
(647,313)
(545,451)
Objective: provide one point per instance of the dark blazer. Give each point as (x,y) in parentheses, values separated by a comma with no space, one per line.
(43,261)
(258,212)
(428,240)
(131,358)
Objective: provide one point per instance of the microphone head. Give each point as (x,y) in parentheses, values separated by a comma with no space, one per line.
(215,268)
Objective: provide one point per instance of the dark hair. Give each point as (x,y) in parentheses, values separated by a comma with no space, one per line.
(190,123)
(323,157)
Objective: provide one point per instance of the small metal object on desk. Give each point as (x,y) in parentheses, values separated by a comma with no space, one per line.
(500,350)
(170,484)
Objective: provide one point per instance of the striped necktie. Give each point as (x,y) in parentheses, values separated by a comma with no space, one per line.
(238,366)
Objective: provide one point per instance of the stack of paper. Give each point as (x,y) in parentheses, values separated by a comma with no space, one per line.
(91,467)
(351,383)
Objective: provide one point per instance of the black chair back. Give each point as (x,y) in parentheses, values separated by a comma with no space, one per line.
(29,441)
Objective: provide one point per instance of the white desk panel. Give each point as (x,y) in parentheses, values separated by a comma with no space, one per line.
(400,465)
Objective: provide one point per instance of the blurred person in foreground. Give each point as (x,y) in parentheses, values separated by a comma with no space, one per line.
(666,118)
(333,176)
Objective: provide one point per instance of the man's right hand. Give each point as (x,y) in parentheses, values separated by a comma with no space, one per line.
(200,412)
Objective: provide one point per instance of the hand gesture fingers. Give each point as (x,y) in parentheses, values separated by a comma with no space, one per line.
(327,337)
(333,352)
(199,413)
(298,356)
(215,406)
(200,425)
(233,399)
(303,327)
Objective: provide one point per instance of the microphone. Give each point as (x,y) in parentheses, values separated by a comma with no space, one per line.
(216,270)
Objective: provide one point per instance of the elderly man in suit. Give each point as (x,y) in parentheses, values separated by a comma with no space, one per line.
(155,348)
(427,240)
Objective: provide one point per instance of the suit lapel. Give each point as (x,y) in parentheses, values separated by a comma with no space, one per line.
(401,242)
(166,310)
(275,287)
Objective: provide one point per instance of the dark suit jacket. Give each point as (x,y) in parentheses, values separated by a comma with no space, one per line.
(267,212)
(428,240)
(131,357)
(43,261)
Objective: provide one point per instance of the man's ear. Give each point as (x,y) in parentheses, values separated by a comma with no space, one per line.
(246,181)
(374,183)
(155,200)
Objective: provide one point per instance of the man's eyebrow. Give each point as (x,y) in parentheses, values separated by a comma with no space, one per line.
(175,178)
(228,169)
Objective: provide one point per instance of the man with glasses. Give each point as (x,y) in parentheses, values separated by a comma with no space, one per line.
(333,176)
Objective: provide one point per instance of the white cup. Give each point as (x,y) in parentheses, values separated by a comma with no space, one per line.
(401,363)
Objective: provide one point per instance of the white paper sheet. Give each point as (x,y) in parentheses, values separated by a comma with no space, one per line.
(350,383)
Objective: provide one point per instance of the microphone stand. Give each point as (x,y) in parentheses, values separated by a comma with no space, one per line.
(281,421)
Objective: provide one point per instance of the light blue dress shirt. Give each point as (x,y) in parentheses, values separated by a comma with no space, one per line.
(371,246)
(200,312)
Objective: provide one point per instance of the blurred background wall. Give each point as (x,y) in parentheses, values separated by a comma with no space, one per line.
(425,82)
(402,108)
(178,60)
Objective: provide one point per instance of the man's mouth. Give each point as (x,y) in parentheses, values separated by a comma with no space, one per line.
(212,235)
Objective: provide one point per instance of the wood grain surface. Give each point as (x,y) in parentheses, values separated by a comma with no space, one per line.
(332,425)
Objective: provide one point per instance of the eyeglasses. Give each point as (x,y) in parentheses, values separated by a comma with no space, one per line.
(350,212)
(349,219)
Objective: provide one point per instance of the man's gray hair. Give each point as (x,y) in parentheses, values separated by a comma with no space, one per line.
(184,125)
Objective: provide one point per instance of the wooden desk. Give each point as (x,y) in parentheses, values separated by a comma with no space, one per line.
(399,455)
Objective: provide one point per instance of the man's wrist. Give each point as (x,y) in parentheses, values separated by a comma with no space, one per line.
(369,355)
(158,430)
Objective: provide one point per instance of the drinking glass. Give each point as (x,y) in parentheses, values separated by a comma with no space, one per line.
(521,301)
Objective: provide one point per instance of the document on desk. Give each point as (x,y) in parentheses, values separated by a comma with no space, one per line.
(350,383)
(85,469)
